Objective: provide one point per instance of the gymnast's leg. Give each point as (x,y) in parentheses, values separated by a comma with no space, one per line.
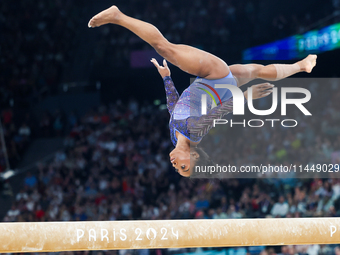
(274,72)
(189,59)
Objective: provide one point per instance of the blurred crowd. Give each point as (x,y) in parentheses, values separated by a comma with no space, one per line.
(20,129)
(16,135)
(36,40)
(36,44)
(115,166)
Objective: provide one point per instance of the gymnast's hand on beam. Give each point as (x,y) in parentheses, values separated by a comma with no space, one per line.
(163,70)
(260,90)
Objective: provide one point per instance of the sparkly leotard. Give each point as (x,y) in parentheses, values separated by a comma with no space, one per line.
(186,117)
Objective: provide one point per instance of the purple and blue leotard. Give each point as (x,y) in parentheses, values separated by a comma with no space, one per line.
(186,113)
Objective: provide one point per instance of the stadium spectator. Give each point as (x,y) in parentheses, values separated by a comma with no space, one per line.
(30,180)
(280,208)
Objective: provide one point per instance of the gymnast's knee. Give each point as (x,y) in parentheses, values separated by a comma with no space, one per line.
(163,48)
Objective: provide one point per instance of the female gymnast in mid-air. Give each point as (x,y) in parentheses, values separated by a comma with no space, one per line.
(187,124)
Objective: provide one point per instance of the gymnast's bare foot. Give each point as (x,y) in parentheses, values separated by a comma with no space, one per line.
(110,15)
(308,63)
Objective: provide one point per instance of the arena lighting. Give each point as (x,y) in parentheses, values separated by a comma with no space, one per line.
(297,46)
(113,235)
(7,174)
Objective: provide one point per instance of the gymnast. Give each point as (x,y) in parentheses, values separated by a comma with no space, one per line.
(185,110)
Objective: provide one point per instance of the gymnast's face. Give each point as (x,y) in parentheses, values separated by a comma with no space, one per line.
(183,161)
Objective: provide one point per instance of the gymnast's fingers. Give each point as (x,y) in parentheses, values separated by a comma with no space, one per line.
(267,85)
(266,93)
(264,89)
(165,64)
(154,61)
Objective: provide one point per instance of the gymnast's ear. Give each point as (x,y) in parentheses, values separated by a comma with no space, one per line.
(194,154)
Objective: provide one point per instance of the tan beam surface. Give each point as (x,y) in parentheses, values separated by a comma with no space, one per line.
(111,235)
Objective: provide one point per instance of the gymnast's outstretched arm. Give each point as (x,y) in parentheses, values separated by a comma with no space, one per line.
(274,72)
(170,89)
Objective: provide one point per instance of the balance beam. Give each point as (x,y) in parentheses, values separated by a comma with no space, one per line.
(113,235)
